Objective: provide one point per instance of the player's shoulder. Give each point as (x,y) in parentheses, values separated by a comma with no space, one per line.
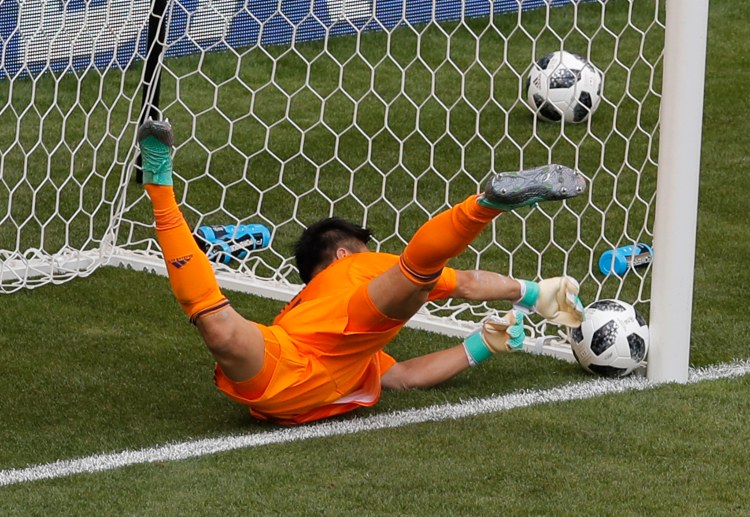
(374,257)
(357,267)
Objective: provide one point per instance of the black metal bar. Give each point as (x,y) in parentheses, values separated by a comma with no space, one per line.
(151,87)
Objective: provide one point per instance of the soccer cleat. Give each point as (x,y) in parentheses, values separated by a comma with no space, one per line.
(155,139)
(510,190)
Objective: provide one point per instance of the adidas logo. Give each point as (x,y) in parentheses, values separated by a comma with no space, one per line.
(180,261)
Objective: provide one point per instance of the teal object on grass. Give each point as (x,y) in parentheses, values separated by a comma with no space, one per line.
(222,243)
(625,257)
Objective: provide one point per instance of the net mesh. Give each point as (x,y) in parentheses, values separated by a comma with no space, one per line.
(385,114)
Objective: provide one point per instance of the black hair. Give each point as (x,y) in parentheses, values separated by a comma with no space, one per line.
(316,247)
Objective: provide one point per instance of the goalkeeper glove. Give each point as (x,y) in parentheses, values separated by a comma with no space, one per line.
(495,335)
(554,299)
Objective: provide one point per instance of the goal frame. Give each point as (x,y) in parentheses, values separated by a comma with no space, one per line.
(675,223)
(672,270)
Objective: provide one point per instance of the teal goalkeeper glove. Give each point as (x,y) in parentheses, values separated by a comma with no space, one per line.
(495,335)
(504,334)
(554,299)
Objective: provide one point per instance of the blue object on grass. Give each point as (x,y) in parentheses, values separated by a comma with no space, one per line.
(624,258)
(222,243)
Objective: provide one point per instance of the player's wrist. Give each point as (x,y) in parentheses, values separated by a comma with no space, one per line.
(529,296)
(476,349)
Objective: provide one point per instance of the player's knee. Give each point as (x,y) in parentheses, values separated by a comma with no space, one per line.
(229,336)
(238,346)
(219,339)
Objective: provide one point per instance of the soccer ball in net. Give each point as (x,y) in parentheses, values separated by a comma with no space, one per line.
(564,85)
(613,339)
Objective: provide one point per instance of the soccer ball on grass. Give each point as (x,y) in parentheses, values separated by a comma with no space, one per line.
(564,85)
(612,340)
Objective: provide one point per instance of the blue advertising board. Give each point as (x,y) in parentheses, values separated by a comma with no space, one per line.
(38,36)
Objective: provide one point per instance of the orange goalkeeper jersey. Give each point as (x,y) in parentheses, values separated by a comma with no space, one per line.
(324,351)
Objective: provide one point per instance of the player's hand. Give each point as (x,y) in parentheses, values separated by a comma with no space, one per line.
(504,334)
(558,301)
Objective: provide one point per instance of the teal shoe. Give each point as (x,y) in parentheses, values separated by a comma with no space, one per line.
(511,190)
(155,139)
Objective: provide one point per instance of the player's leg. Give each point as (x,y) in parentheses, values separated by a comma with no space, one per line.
(401,291)
(236,344)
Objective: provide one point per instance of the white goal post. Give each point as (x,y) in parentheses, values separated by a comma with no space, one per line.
(677,196)
(384,112)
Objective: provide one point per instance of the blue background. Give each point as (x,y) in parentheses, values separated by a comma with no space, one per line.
(301,20)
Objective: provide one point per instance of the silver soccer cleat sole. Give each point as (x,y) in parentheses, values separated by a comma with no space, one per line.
(159,129)
(508,190)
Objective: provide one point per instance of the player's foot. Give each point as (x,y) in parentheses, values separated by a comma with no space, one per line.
(510,190)
(156,140)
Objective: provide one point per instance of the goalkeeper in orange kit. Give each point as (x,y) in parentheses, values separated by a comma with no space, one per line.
(323,354)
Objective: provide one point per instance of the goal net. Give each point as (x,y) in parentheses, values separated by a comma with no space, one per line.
(384,113)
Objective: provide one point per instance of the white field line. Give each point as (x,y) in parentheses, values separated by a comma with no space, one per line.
(197,448)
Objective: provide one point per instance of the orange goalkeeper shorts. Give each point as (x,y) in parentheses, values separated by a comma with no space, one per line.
(324,354)
(294,387)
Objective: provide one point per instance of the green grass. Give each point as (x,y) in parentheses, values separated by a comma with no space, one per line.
(467,467)
(109,362)
(88,372)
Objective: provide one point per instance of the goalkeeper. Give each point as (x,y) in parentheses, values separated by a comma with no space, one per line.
(323,355)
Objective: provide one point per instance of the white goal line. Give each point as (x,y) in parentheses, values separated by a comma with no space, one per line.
(197,448)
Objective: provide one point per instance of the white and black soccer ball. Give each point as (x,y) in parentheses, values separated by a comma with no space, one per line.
(564,85)
(613,339)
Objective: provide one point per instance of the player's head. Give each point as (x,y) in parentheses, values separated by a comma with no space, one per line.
(322,243)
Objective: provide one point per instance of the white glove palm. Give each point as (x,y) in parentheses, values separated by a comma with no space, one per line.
(558,301)
(495,335)
(555,299)
(504,334)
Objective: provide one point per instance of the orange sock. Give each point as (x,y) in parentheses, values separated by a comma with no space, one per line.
(190,273)
(442,238)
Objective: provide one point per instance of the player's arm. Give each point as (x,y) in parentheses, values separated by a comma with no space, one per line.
(426,371)
(486,286)
(493,336)
(555,299)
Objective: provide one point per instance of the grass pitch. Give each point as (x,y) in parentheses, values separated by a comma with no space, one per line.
(108,363)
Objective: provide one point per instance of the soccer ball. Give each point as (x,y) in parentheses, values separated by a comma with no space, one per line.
(613,339)
(564,85)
